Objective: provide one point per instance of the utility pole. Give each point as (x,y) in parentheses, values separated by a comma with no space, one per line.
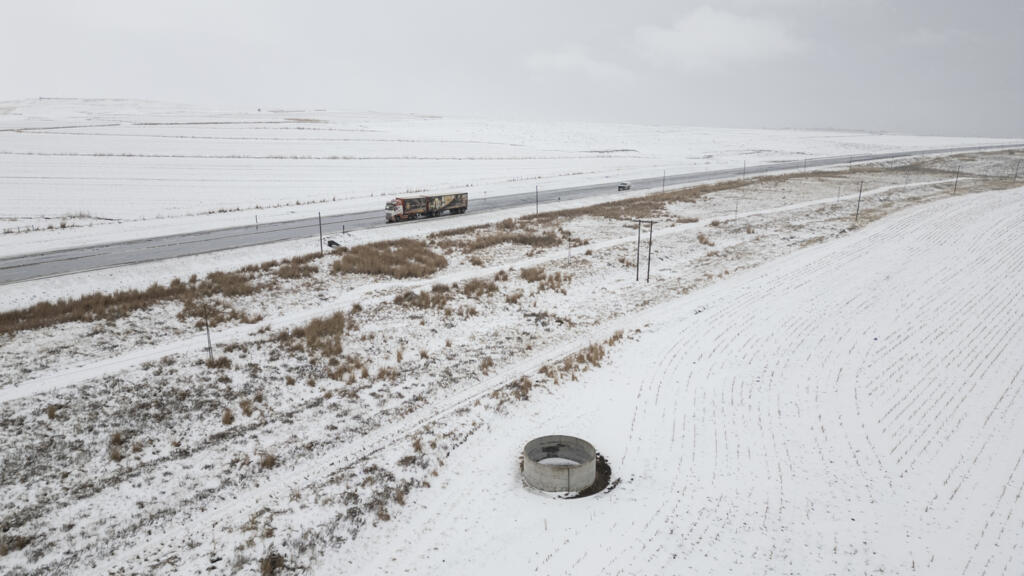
(206,320)
(857,217)
(638,224)
(650,242)
(957,180)
(536,199)
(257,222)
(320,222)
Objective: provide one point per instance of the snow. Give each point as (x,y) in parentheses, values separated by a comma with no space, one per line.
(853,408)
(797,392)
(112,170)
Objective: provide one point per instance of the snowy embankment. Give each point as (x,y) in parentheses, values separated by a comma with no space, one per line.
(79,172)
(852,408)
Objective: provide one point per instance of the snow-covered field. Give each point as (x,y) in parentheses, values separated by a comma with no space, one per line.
(855,408)
(792,392)
(87,171)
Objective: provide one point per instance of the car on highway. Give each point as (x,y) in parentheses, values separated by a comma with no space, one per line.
(624,186)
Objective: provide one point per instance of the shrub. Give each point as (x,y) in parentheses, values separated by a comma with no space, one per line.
(476,288)
(534,274)
(703,239)
(271,563)
(435,298)
(298,267)
(219,363)
(520,389)
(486,364)
(267,460)
(405,258)
(227,418)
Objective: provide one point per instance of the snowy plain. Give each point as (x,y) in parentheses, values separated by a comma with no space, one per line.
(795,391)
(853,408)
(112,170)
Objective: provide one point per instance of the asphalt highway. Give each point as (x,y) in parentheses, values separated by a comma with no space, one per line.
(81,259)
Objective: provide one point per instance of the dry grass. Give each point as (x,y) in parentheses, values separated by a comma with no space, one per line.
(267,460)
(704,239)
(98,306)
(227,418)
(554,281)
(476,288)
(437,297)
(219,363)
(12,543)
(297,267)
(534,274)
(405,258)
(271,563)
(486,364)
(520,389)
(321,335)
(509,231)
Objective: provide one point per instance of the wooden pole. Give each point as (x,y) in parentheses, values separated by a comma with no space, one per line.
(206,320)
(320,222)
(638,224)
(957,180)
(650,242)
(857,217)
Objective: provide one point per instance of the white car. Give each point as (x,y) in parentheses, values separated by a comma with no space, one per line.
(624,186)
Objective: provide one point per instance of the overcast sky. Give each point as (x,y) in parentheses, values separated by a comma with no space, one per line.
(924,66)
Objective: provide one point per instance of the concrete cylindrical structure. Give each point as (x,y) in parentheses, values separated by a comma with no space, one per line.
(559,464)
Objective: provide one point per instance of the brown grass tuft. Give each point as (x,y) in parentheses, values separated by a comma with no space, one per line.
(404,258)
(486,364)
(476,288)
